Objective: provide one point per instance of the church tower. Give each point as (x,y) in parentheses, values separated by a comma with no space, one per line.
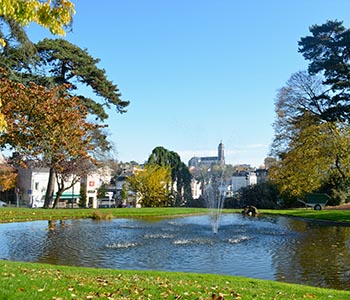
(221,154)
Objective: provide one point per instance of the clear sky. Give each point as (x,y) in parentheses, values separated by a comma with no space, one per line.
(197,72)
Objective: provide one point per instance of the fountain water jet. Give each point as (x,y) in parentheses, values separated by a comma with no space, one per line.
(215,198)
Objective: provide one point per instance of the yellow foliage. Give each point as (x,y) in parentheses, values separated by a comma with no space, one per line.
(152,185)
(318,153)
(42,13)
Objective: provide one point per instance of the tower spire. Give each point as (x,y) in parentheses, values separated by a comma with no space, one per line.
(221,154)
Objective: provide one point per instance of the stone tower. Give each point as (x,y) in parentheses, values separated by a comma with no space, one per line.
(221,154)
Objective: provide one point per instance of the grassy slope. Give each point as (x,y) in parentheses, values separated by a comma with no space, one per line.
(342,216)
(37,281)
(28,214)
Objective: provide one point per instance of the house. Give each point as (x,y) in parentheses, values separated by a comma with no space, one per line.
(262,175)
(196,188)
(32,185)
(243,179)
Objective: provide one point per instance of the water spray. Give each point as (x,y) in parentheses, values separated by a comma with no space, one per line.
(215,196)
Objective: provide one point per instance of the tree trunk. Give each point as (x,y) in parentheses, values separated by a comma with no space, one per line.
(50,189)
(58,196)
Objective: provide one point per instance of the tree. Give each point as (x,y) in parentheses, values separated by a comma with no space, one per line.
(124,193)
(328,50)
(312,151)
(46,125)
(101,192)
(83,196)
(318,155)
(180,175)
(59,62)
(8,177)
(263,195)
(152,185)
(300,95)
(68,173)
(63,62)
(54,15)
(312,127)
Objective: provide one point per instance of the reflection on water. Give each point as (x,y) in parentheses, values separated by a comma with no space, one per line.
(275,248)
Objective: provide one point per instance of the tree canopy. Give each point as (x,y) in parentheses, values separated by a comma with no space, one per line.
(328,51)
(8,177)
(54,15)
(45,124)
(62,62)
(312,129)
(56,62)
(180,175)
(151,185)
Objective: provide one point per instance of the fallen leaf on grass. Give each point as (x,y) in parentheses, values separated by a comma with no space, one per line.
(220,297)
(309,296)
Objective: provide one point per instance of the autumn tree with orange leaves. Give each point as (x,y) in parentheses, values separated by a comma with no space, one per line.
(8,177)
(15,14)
(47,125)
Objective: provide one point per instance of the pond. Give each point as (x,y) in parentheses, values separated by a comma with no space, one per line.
(270,247)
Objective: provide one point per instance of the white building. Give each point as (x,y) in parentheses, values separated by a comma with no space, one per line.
(32,184)
(243,179)
(196,189)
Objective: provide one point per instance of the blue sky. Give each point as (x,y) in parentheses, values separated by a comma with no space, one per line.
(197,72)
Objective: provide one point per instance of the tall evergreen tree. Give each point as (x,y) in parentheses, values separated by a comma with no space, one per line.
(61,62)
(328,51)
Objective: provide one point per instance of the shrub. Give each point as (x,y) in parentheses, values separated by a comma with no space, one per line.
(98,215)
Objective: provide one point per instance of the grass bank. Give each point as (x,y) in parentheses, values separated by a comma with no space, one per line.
(37,281)
(341,216)
(9,214)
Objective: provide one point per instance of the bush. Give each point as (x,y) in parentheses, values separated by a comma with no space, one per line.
(262,195)
(98,215)
(200,202)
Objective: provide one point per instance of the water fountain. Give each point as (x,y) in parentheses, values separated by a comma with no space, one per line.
(215,197)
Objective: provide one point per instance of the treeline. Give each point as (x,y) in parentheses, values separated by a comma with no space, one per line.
(311,145)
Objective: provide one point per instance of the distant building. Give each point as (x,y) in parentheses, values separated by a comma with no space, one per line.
(262,175)
(209,160)
(243,179)
(196,189)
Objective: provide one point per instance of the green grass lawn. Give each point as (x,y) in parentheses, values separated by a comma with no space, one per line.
(9,214)
(342,216)
(36,281)
(21,280)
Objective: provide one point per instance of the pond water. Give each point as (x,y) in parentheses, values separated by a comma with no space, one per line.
(275,248)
